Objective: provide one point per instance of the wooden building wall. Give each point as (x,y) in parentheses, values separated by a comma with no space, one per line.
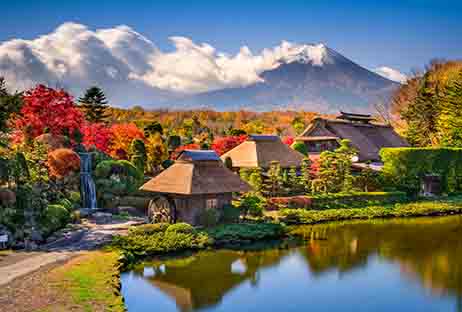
(190,208)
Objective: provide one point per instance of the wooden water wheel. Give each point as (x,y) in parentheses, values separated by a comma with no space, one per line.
(162,209)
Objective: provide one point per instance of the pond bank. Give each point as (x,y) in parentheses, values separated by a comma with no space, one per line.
(161,239)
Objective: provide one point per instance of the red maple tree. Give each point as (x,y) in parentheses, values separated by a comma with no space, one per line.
(96,135)
(47,110)
(224,144)
(288,140)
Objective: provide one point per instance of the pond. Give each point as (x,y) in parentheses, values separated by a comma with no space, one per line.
(380,265)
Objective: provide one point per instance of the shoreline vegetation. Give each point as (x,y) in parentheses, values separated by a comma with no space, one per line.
(151,240)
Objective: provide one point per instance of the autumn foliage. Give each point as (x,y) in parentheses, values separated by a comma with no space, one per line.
(225,144)
(63,161)
(122,136)
(96,135)
(47,110)
(288,140)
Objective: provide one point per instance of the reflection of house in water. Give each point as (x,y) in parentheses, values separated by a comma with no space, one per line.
(203,279)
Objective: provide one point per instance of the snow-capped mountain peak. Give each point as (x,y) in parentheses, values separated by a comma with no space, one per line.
(315,54)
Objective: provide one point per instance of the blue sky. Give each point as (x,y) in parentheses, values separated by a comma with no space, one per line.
(399,34)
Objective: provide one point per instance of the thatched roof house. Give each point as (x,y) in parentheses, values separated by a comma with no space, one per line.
(260,151)
(198,180)
(366,136)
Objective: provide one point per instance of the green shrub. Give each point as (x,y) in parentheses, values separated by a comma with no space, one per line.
(148,229)
(152,240)
(119,177)
(53,218)
(245,232)
(66,203)
(74,197)
(208,217)
(354,200)
(405,167)
(252,204)
(300,147)
(180,228)
(231,214)
(414,209)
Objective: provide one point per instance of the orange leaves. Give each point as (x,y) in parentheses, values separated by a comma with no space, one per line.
(122,136)
(62,162)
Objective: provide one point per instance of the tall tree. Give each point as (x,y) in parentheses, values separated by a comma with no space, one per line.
(94,105)
(421,115)
(450,120)
(10,104)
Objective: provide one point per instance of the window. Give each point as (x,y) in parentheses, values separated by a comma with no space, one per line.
(211,203)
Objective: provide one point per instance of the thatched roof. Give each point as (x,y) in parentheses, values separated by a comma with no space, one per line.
(367,137)
(261,150)
(194,173)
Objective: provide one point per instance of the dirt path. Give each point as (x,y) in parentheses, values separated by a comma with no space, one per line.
(90,237)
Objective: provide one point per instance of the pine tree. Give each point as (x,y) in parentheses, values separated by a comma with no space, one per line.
(273,181)
(255,179)
(305,177)
(294,181)
(138,152)
(94,105)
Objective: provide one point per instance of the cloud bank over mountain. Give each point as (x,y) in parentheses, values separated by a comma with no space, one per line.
(391,74)
(133,70)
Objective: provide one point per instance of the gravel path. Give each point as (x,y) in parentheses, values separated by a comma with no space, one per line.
(90,237)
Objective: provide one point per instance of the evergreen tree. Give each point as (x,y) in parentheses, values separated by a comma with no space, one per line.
(153,127)
(255,179)
(273,181)
(94,105)
(138,154)
(294,181)
(421,115)
(9,105)
(305,177)
(450,117)
(156,152)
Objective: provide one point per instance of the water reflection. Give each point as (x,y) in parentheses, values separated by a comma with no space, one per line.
(409,262)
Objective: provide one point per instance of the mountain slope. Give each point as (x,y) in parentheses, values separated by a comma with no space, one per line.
(317,79)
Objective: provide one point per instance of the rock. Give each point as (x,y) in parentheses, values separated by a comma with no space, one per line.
(102,217)
(36,236)
(7,197)
(85,212)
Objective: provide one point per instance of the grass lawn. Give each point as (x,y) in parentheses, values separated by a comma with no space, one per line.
(87,283)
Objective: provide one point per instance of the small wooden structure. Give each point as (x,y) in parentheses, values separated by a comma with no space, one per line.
(197,181)
(431,185)
(366,136)
(260,151)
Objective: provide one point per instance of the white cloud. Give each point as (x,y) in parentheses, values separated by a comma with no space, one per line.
(131,68)
(391,74)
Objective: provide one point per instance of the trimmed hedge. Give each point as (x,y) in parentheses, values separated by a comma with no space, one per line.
(53,218)
(164,238)
(414,209)
(405,167)
(337,200)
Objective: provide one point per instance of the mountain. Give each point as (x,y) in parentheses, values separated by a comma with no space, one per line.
(314,78)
